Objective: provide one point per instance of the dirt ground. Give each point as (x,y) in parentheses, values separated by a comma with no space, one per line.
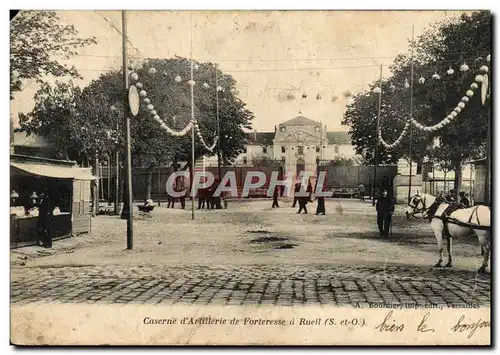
(250,233)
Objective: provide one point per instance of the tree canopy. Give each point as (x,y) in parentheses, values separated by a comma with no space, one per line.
(37,43)
(444,45)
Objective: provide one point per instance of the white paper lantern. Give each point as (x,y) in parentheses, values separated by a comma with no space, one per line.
(421,80)
(143,93)
(112,108)
(134,76)
(469,93)
(196,67)
(178,78)
(464,68)
(457,109)
(206,86)
(139,85)
(407,85)
(150,107)
(484,69)
(461,105)
(450,117)
(392,87)
(377,90)
(446,121)
(453,114)
(152,71)
(153,112)
(465,99)
(479,78)
(191,82)
(219,88)
(474,86)
(157,117)
(436,76)
(488,58)
(450,71)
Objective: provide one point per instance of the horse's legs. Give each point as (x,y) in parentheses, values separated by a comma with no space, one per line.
(439,239)
(484,240)
(449,241)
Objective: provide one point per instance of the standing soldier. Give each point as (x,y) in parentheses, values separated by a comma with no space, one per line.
(183,192)
(295,197)
(385,210)
(275,197)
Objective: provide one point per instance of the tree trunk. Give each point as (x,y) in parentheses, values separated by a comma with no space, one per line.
(457,184)
(150,182)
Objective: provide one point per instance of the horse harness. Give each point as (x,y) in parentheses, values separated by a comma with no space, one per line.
(447,219)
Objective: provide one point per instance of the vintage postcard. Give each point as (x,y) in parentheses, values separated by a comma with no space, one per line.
(250,177)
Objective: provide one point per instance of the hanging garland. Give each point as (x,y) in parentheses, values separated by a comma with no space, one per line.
(152,111)
(450,117)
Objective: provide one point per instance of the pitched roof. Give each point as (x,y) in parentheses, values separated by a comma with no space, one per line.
(338,138)
(262,138)
(300,121)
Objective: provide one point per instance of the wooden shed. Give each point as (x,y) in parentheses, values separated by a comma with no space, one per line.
(69,186)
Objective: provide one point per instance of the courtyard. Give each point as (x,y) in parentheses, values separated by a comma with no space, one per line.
(252,254)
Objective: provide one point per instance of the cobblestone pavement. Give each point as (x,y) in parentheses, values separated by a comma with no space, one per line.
(249,284)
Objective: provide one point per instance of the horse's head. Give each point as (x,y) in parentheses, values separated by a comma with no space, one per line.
(415,205)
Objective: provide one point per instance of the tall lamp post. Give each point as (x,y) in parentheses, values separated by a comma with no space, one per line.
(411,111)
(117,169)
(219,153)
(130,96)
(377,90)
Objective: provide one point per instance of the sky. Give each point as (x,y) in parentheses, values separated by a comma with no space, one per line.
(275,56)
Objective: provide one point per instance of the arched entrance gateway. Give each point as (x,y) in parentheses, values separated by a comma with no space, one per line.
(301,166)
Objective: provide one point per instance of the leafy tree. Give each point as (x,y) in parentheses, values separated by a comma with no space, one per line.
(445,44)
(37,39)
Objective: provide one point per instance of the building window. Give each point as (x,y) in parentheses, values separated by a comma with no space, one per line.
(301,149)
(316,129)
(246,149)
(283,129)
(264,150)
(336,149)
(317,149)
(282,149)
(245,160)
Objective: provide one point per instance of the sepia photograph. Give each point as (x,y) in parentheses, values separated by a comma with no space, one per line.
(250,177)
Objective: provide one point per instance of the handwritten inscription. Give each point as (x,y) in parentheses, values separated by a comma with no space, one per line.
(422,326)
(461,326)
(389,324)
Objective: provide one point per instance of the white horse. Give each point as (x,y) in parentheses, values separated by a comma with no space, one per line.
(460,223)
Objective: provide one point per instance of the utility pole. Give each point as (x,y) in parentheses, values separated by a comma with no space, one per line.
(192,118)
(219,153)
(127,212)
(411,110)
(377,138)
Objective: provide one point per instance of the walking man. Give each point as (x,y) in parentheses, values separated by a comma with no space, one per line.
(320,209)
(303,200)
(385,210)
(295,197)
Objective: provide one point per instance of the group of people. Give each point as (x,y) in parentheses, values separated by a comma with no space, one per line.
(301,200)
(206,198)
(464,198)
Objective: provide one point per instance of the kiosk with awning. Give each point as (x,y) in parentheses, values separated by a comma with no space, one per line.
(68,187)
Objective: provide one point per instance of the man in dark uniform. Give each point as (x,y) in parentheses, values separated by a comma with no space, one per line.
(275,196)
(45,214)
(385,210)
(295,197)
(303,200)
(464,200)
